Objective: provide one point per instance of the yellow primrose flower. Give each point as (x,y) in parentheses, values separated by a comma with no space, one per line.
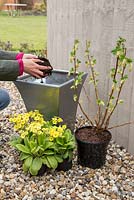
(24,121)
(39,132)
(33,122)
(64,127)
(56,120)
(59,119)
(51,131)
(23,134)
(60,129)
(12,119)
(34,127)
(51,139)
(17,126)
(45,130)
(55,134)
(36,118)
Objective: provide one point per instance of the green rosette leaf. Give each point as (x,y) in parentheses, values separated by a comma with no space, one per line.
(35,166)
(23,148)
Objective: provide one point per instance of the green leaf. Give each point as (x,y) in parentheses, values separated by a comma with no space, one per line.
(26,142)
(66,155)
(32,145)
(52,161)
(88,44)
(70,145)
(49,152)
(70,155)
(35,166)
(78,61)
(75,97)
(100,102)
(41,148)
(113,70)
(122,58)
(58,158)
(35,150)
(27,163)
(115,81)
(71,71)
(25,169)
(60,141)
(125,77)
(114,51)
(45,161)
(33,172)
(93,62)
(72,53)
(13,143)
(41,139)
(23,148)
(15,140)
(76,41)
(68,135)
(23,156)
(120,101)
(129,60)
(47,145)
(63,147)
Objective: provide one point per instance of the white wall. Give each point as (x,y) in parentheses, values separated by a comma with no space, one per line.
(102,22)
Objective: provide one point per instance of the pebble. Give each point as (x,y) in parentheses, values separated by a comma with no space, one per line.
(115,189)
(115,181)
(104,182)
(25,197)
(1,181)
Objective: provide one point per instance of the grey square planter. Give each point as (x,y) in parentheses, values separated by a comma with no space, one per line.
(53,97)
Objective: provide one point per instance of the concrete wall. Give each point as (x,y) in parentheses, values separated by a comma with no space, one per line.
(102,22)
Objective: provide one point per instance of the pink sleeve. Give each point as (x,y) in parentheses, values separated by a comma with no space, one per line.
(19,55)
(21,65)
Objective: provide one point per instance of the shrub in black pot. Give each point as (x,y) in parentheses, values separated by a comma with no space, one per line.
(92,150)
(92,141)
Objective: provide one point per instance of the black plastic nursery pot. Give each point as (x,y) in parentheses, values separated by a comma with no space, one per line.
(65,165)
(42,170)
(92,154)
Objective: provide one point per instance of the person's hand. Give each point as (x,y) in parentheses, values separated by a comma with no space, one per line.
(32,68)
(29,56)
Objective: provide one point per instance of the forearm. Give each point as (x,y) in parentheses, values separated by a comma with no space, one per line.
(8,55)
(19,63)
(9,70)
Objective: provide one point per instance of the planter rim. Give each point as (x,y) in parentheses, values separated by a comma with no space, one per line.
(87,142)
(22,79)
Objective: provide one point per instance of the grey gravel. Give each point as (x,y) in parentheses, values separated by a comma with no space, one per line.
(114,181)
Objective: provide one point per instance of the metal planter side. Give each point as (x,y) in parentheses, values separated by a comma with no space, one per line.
(53,98)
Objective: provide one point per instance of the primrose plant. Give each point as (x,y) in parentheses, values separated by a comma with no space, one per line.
(118,76)
(41,142)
